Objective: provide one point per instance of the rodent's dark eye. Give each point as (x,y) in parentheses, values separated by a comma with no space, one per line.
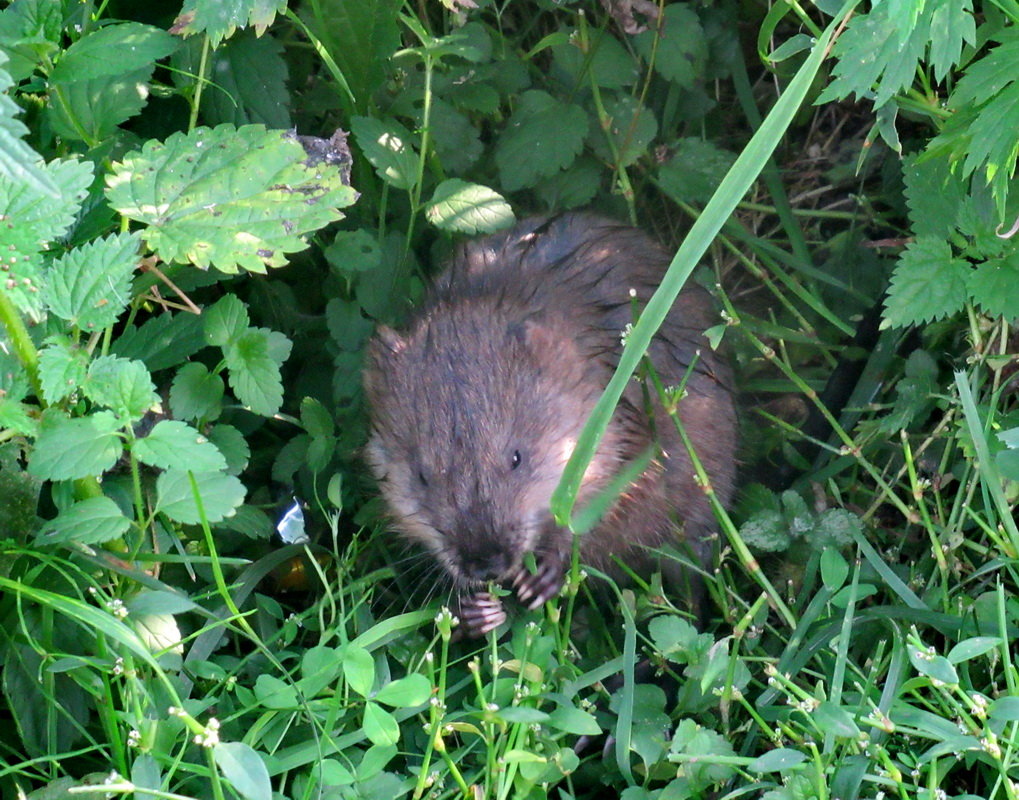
(515,459)
(422,478)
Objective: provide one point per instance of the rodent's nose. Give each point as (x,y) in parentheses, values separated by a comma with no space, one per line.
(484,562)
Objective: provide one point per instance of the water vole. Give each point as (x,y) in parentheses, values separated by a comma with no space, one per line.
(476,408)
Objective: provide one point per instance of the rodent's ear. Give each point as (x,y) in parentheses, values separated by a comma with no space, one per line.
(389,339)
(536,335)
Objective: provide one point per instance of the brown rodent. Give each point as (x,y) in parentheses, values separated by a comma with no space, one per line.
(477,406)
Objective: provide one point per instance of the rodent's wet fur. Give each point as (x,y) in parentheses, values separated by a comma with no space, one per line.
(476,407)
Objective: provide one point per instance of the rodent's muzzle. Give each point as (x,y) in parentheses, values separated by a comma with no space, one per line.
(483,559)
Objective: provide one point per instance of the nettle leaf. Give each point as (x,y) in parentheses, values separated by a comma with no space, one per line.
(18,162)
(218,20)
(353,251)
(163,341)
(695,169)
(29,31)
(606,60)
(934,194)
(994,286)
(457,141)
(389,148)
(470,208)
(250,80)
(542,137)
(91,285)
(928,283)
(92,521)
(575,186)
(632,129)
(67,449)
(682,52)
(135,45)
(32,219)
(254,374)
(220,495)
(196,393)
(122,385)
(233,198)
(225,321)
(172,444)
(240,763)
(91,110)
(62,369)
(952,25)
(234,447)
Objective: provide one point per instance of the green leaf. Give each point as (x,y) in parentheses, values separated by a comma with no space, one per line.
(320,666)
(218,20)
(521,715)
(1004,709)
(928,283)
(777,760)
(994,286)
(695,169)
(460,207)
(135,45)
(90,111)
(196,393)
(172,444)
(575,186)
(359,669)
(32,219)
(234,198)
(250,80)
(275,693)
(90,286)
(220,495)
(92,521)
(19,163)
(122,385)
(379,725)
(836,527)
(30,32)
(972,648)
(352,252)
(767,531)
(934,194)
(542,137)
(62,369)
(225,321)
(243,767)
(406,692)
(573,720)
(632,128)
(389,148)
(232,444)
(934,666)
(833,719)
(606,61)
(834,569)
(456,140)
(162,341)
(952,25)
(682,51)
(67,449)
(673,637)
(253,374)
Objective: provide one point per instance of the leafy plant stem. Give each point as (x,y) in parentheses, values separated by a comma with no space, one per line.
(928,524)
(203,67)
(21,341)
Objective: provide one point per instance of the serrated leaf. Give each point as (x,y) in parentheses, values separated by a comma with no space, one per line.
(952,25)
(250,80)
(632,128)
(353,251)
(122,385)
(379,725)
(14,416)
(605,61)
(220,495)
(225,321)
(389,148)
(136,46)
(673,637)
(358,669)
(461,207)
(172,444)
(19,163)
(233,198)
(218,20)
(62,370)
(67,449)
(575,186)
(32,218)
(994,286)
(682,51)
(934,194)
(91,285)
(928,283)
(695,169)
(456,140)
(164,341)
(242,766)
(406,692)
(766,530)
(92,521)
(234,447)
(196,393)
(90,111)
(30,31)
(542,137)
(253,374)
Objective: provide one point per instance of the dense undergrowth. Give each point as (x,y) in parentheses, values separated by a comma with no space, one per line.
(162,637)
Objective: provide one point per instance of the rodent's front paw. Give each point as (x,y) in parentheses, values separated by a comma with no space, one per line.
(540,587)
(480,613)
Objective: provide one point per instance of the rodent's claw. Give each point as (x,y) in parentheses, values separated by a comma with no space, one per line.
(481,613)
(537,589)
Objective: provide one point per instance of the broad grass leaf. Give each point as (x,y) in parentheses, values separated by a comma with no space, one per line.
(67,449)
(173,444)
(244,768)
(196,393)
(135,45)
(220,495)
(470,208)
(93,521)
(379,725)
(233,198)
(389,148)
(542,137)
